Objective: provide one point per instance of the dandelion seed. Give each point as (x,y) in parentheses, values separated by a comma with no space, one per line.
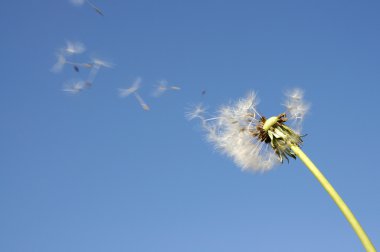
(162,87)
(124,92)
(196,112)
(64,53)
(257,143)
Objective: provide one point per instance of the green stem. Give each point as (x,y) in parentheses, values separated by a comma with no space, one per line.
(335,196)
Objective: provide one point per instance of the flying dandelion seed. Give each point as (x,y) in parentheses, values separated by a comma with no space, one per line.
(162,87)
(124,92)
(74,87)
(197,111)
(257,143)
(69,50)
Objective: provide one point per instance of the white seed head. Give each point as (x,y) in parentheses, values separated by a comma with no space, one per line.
(230,131)
(252,141)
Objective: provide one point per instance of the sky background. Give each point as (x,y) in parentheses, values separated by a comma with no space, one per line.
(94,172)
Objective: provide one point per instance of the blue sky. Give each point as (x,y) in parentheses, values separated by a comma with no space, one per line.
(94,172)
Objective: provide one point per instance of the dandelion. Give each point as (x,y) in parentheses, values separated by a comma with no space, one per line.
(162,87)
(124,92)
(258,143)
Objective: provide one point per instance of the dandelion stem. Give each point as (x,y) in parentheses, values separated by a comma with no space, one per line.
(335,196)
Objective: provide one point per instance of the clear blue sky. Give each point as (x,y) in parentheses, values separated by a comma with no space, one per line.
(94,172)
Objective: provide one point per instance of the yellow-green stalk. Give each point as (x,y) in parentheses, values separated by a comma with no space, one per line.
(279,134)
(337,199)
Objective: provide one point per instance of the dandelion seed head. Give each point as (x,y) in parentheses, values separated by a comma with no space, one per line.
(231,133)
(254,142)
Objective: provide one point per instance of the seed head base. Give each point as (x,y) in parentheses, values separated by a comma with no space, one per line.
(280,136)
